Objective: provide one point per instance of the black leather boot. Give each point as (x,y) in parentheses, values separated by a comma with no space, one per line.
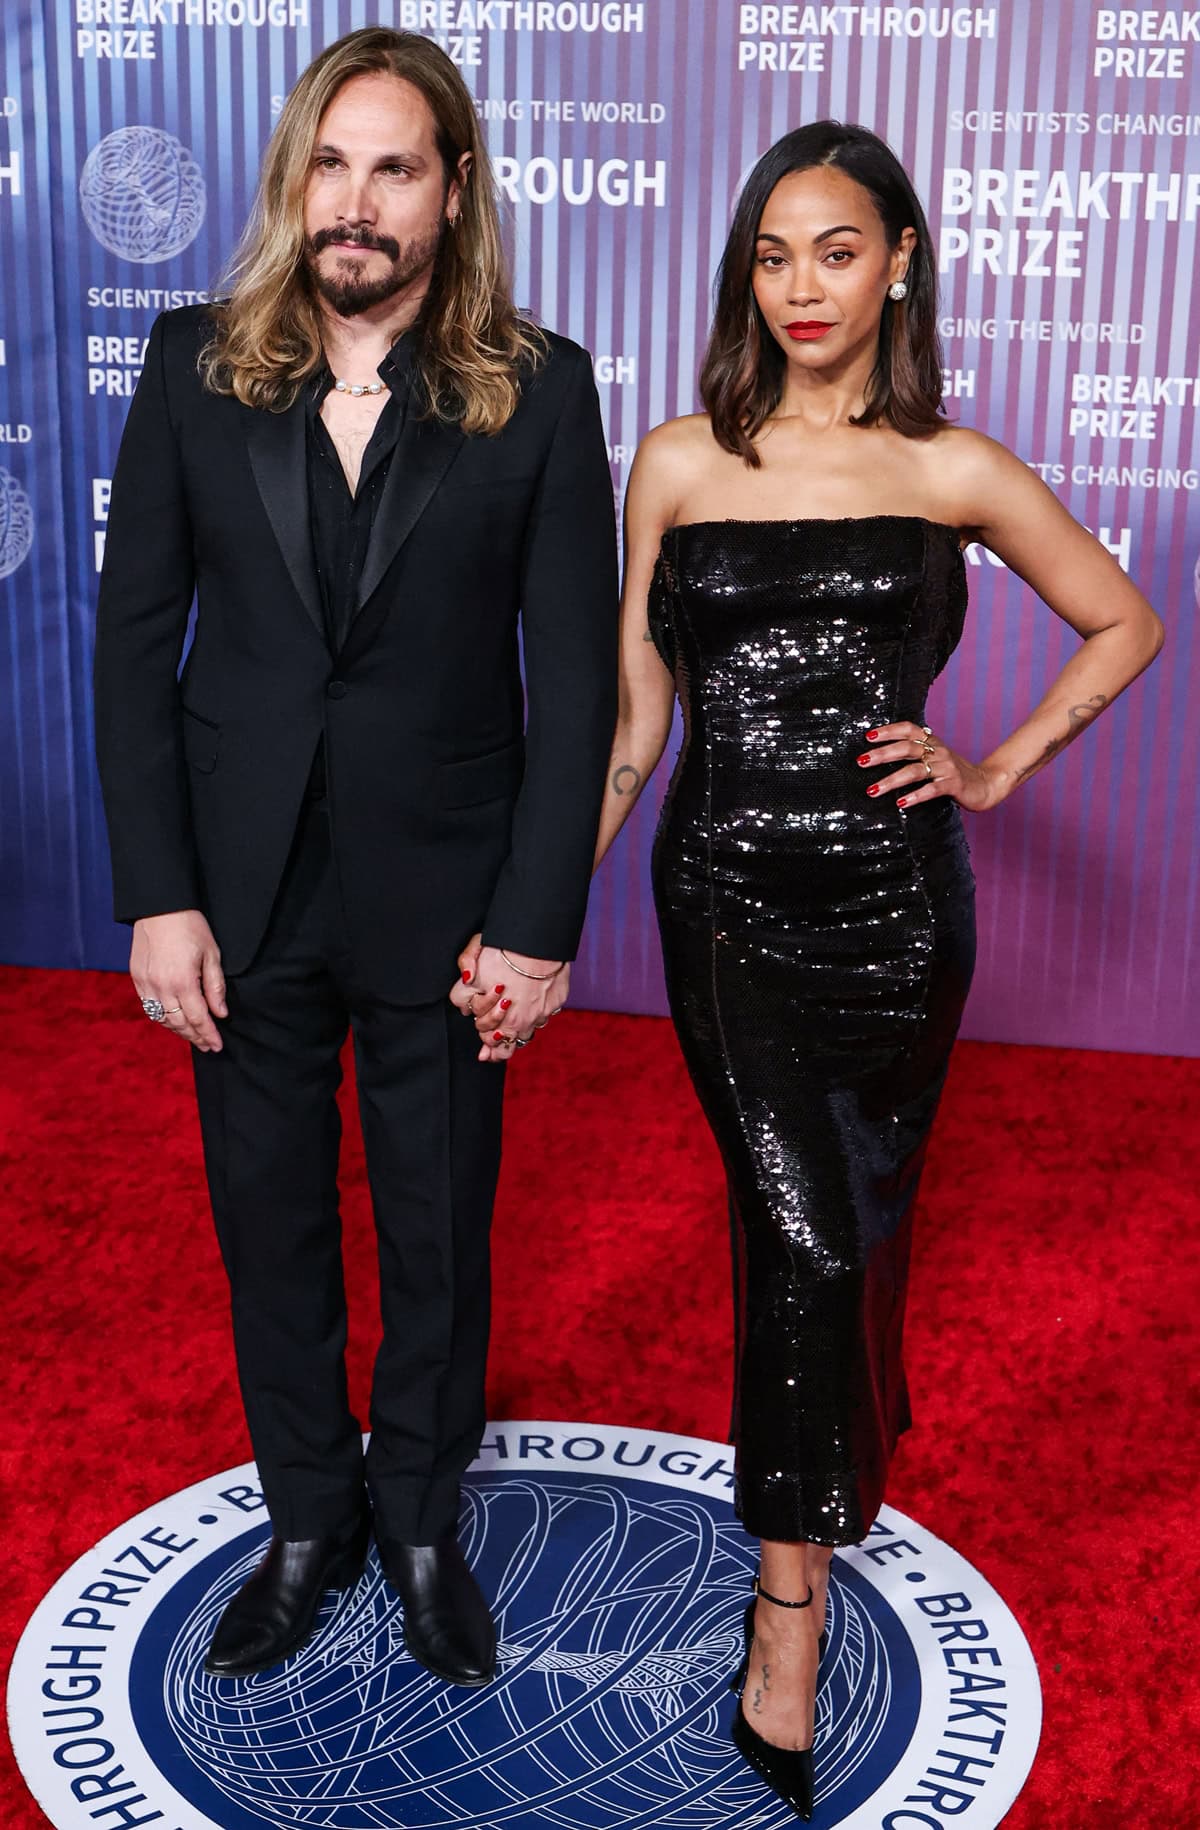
(273,1613)
(447,1626)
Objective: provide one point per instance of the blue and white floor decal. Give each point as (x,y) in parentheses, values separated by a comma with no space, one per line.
(618,1576)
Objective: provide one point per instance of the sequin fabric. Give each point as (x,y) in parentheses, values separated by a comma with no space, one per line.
(819,945)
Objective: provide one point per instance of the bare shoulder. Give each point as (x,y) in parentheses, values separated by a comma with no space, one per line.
(974,475)
(678,443)
(669,460)
(960,452)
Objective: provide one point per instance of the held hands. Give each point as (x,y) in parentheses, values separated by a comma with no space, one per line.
(507,1008)
(175,965)
(937,769)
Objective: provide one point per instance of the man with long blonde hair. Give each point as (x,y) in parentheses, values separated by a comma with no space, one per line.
(371,472)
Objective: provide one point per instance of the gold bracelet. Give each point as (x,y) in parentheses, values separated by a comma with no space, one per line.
(521,972)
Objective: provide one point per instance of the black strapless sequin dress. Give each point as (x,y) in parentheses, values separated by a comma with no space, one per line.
(819,946)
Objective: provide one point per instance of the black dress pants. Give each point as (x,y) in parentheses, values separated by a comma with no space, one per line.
(431,1123)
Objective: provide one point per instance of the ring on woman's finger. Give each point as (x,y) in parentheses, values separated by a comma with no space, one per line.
(929,768)
(522,1041)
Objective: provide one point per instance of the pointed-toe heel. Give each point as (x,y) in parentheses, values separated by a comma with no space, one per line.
(788,1771)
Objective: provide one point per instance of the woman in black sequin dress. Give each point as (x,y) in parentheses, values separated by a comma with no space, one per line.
(794,573)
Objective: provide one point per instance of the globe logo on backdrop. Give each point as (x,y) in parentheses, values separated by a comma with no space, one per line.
(618,1576)
(16,524)
(142,194)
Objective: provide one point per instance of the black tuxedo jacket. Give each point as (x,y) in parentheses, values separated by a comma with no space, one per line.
(452,808)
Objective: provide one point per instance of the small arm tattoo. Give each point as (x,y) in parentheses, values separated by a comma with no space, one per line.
(1077,717)
(634,785)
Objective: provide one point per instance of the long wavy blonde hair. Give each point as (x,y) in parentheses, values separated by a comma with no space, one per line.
(267,331)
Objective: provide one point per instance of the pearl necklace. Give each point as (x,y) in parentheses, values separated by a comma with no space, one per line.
(359,387)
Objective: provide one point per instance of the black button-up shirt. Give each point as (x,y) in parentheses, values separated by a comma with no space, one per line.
(341,519)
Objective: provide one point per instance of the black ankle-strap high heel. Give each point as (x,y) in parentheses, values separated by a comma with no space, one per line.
(788,1771)
(737,1681)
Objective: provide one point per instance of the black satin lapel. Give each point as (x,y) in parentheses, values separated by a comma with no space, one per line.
(424,452)
(279,458)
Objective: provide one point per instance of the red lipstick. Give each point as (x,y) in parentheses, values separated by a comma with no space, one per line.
(807,330)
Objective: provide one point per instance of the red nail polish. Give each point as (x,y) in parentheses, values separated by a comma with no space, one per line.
(498,1037)
(466,978)
(874,788)
(866,759)
(499,989)
(902,803)
(871,734)
(505,1003)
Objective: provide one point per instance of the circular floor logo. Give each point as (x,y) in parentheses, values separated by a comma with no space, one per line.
(618,1575)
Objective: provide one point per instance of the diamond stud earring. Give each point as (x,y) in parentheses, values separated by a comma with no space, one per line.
(897,290)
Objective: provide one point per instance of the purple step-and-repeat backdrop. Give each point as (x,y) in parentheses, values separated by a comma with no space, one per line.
(1058,151)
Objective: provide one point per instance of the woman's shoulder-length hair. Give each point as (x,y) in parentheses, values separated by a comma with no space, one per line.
(473,344)
(742,378)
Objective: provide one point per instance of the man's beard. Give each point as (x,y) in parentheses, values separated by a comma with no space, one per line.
(348,291)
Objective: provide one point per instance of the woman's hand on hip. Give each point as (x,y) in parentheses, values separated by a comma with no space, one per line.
(929,770)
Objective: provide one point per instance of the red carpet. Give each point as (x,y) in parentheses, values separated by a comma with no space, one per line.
(1054,1287)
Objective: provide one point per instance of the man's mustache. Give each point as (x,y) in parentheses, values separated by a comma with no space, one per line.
(358,238)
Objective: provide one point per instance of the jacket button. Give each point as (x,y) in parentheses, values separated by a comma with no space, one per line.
(336,689)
